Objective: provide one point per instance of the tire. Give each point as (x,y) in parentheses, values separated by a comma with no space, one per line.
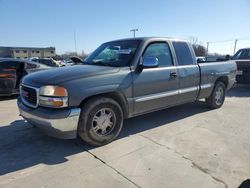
(101,121)
(217,98)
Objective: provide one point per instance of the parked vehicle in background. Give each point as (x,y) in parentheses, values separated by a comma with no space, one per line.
(201,59)
(77,60)
(120,79)
(12,71)
(65,63)
(242,59)
(47,61)
(215,58)
(74,60)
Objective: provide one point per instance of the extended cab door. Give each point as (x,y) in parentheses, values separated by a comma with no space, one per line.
(155,88)
(187,71)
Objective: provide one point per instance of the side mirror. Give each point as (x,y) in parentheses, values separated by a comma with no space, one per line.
(150,62)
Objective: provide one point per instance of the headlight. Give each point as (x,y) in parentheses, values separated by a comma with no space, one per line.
(53,97)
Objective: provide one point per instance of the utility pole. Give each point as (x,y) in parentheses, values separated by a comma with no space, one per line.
(207,46)
(134,30)
(235,44)
(75,42)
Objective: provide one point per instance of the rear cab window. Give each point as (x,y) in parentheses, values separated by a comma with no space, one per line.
(183,53)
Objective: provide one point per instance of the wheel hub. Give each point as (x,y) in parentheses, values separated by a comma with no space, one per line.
(219,95)
(103,121)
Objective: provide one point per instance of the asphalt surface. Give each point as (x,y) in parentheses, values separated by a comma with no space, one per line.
(185,146)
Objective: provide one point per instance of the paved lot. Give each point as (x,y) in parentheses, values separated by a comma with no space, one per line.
(185,146)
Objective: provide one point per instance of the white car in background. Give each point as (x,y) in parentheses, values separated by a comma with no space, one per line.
(65,63)
(200,59)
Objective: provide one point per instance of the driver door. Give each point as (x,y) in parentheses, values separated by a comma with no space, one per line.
(156,88)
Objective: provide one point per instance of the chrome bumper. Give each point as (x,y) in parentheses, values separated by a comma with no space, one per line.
(60,123)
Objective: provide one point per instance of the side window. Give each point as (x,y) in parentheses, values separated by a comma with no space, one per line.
(245,54)
(238,55)
(248,54)
(183,53)
(161,51)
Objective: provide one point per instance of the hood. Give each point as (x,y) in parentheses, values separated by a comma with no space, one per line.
(63,74)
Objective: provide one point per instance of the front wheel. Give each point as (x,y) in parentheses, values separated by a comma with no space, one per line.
(217,98)
(101,121)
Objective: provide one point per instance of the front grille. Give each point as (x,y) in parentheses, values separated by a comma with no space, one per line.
(29,95)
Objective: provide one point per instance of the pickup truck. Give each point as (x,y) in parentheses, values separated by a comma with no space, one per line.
(120,79)
(242,59)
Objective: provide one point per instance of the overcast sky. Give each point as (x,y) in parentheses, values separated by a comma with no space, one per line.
(53,22)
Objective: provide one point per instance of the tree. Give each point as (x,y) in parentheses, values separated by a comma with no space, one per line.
(199,49)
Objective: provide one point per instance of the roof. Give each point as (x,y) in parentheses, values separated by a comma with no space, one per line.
(245,48)
(148,38)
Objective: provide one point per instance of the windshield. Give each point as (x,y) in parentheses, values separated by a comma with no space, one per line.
(117,54)
(242,54)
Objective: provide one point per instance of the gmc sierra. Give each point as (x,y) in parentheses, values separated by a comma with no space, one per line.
(120,79)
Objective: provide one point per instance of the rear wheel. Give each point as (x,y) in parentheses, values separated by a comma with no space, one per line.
(101,121)
(217,98)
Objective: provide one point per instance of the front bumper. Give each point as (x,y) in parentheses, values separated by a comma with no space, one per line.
(59,123)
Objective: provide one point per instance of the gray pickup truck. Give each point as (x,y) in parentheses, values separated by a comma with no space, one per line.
(119,80)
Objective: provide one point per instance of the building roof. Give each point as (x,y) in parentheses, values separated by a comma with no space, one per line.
(14,59)
(38,48)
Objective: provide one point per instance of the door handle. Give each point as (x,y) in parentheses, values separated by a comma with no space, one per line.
(173,74)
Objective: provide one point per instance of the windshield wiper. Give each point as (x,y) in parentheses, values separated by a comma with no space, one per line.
(102,63)
(86,63)
(106,64)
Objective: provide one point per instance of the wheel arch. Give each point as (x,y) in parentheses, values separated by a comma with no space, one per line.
(117,96)
(223,79)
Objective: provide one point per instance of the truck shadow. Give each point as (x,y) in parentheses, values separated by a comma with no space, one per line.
(152,120)
(22,146)
(239,90)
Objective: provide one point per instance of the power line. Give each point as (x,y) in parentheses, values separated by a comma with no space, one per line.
(229,40)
